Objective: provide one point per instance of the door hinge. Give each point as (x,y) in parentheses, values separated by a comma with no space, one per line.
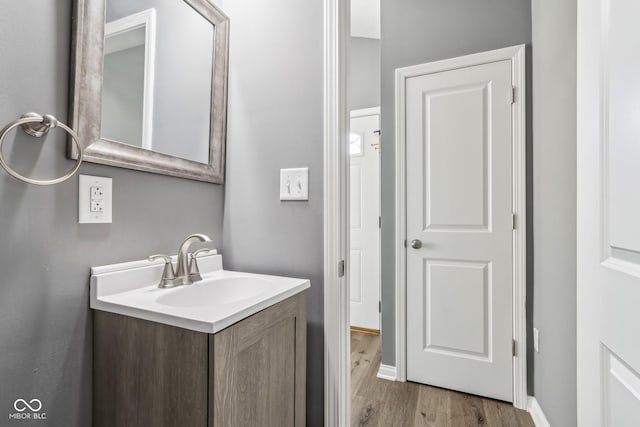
(379,306)
(514,221)
(379,222)
(514,348)
(341,268)
(513,94)
(405,243)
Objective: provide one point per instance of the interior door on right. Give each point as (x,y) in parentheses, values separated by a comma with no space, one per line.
(608,208)
(459,229)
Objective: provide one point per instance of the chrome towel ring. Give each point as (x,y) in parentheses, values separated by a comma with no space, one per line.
(37,126)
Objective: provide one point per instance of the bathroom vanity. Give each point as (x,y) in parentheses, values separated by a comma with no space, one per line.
(227,351)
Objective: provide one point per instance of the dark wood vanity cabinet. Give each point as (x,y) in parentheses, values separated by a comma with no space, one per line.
(252,373)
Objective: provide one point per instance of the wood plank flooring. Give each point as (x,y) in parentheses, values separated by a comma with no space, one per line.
(376,402)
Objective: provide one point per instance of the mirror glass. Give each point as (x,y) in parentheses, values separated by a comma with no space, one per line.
(157,77)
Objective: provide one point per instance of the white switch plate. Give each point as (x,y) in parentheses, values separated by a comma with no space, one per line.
(294,184)
(536,340)
(94,199)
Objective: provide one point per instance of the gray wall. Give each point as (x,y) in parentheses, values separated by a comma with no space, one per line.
(45,322)
(554,196)
(275,121)
(416,32)
(364,73)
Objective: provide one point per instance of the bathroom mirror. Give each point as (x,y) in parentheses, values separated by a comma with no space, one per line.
(149,87)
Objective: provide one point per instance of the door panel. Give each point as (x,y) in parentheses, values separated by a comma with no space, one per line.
(456,200)
(456,308)
(356,195)
(624,128)
(621,390)
(364,266)
(355,267)
(459,205)
(608,246)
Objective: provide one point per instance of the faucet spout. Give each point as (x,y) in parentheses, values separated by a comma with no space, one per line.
(183,253)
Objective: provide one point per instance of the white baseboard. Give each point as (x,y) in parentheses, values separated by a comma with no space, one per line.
(533,407)
(386,372)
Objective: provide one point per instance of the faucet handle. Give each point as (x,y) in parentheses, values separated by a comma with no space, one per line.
(202,251)
(166,258)
(168,279)
(194,271)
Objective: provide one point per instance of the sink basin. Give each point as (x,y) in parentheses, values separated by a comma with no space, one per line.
(221,299)
(217,290)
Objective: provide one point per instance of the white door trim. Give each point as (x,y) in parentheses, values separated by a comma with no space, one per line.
(337,343)
(537,414)
(517,56)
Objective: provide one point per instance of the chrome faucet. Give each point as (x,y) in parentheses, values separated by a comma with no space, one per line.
(183,255)
(187,272)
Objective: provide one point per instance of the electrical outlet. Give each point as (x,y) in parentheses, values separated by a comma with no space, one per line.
(97,192)
(97,206)
(94,199)
(536,340)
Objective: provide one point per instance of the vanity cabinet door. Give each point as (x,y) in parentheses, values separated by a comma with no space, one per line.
(259,368)
(148,374)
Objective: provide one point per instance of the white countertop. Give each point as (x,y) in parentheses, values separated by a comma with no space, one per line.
(221,299)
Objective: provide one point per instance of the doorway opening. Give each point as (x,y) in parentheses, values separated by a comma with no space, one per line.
(338,289)
(460,224)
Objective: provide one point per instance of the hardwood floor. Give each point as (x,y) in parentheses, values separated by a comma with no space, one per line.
(376,402)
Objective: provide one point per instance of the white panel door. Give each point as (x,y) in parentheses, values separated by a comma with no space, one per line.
(608,228)
(459,208)
(364,266)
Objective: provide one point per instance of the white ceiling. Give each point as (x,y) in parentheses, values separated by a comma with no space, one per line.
(365,18)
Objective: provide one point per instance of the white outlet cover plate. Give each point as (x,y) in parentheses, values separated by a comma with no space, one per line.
(294,184)
(85,216)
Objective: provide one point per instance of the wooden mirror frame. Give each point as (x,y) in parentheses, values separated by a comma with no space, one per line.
(86,99)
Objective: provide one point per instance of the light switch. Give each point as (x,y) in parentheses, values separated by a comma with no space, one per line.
(294,184)
(94,200)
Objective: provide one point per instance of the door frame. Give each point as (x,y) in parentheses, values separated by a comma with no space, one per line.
(337,342)
(516,54)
